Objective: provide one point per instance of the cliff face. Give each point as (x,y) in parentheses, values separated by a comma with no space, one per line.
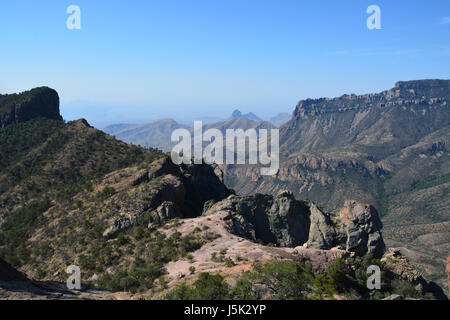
(387,121)
(39,102)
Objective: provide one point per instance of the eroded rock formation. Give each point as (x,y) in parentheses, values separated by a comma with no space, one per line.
(164,191)
(287,222)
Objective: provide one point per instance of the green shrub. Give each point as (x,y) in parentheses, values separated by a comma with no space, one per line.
(244,290)
(337,271)
(405,289)
(284,279)
(122,239)
(229,263)
(18,228)
(106,193)
(206,287)
(324,286)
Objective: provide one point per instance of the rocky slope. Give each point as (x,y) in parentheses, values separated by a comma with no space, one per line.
(389,149)
(171,223)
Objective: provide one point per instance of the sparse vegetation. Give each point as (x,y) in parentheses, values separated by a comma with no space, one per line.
(285,280)
(148,264)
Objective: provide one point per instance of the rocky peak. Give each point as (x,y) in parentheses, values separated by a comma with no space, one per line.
(251,116)
(236,114)
(38,102)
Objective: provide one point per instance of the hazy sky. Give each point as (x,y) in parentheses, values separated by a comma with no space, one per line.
(142,60)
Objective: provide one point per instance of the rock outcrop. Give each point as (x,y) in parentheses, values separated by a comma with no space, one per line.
(280,220)
(287,222)
(39,102)
(399,266)
(165,191)
(361,226)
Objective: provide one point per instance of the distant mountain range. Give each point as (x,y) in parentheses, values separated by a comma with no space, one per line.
(158,133)
(155,134)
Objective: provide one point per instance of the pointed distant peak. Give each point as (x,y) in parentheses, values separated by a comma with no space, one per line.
(236,114)
(251,116)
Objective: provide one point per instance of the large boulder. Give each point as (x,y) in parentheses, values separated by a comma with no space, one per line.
(398,265)
(322,234)
(280,220)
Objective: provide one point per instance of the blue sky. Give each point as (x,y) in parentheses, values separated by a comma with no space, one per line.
(136,61)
